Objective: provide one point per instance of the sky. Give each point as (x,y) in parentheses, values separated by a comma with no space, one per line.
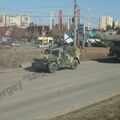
(39,10)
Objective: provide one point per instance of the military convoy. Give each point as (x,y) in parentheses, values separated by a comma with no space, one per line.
(115,50)
(55,58)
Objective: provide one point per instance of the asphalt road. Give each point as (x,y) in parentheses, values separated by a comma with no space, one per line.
(25,95)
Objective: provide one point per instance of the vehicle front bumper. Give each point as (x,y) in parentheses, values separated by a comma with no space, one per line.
(39,66)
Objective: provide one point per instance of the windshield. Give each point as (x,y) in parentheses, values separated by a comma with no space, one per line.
(56,52)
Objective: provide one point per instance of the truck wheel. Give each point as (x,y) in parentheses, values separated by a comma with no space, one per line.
(52,68)
(116,60)
(74,64)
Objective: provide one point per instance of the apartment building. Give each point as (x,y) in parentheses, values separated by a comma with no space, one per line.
(116,24)
(2,20)
(19,20)
(24,21)
(104,21)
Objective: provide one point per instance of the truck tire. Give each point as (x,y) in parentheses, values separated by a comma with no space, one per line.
(52,68)
(74,64)
(116,60)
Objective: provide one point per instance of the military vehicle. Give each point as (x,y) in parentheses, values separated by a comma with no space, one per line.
(115,50)
(56,58)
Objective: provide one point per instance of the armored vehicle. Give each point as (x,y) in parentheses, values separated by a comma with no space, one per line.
(115,50)
(56,58)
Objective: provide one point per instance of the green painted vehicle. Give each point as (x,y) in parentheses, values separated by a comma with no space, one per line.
(115,50)
(56,58)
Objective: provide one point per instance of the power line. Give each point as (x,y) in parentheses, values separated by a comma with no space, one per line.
(102,12)
(52,7)
(40,7)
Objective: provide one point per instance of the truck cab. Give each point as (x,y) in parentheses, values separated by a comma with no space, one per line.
(115,50)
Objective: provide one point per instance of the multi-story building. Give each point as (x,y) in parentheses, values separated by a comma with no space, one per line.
(13,21)
(21,21)
(104,21)
(2,20)
(24,21)
(116,24)
(51,20)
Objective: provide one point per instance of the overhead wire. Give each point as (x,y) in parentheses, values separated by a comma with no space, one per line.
(44,15)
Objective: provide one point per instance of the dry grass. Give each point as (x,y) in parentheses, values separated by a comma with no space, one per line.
(17,56)
(105,110)
(21,55)
(94,53)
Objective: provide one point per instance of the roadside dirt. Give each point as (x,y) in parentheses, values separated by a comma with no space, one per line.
(93,53)
(105,110)
(15,57)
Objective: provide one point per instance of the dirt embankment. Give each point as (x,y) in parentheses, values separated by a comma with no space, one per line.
(91,53)
(11,57)
(106,110)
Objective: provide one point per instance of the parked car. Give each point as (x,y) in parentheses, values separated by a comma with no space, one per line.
(44,46)
(15,45)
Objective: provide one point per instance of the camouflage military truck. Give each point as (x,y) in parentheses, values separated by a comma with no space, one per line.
(56,58)
(115,50)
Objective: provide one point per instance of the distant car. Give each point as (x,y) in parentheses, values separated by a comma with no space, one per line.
(44,46)
(15,45)
(95,43)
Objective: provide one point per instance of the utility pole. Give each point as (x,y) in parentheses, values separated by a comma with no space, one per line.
(88,18)
(75,23)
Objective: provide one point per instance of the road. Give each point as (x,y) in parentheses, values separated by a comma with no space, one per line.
(48,95)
